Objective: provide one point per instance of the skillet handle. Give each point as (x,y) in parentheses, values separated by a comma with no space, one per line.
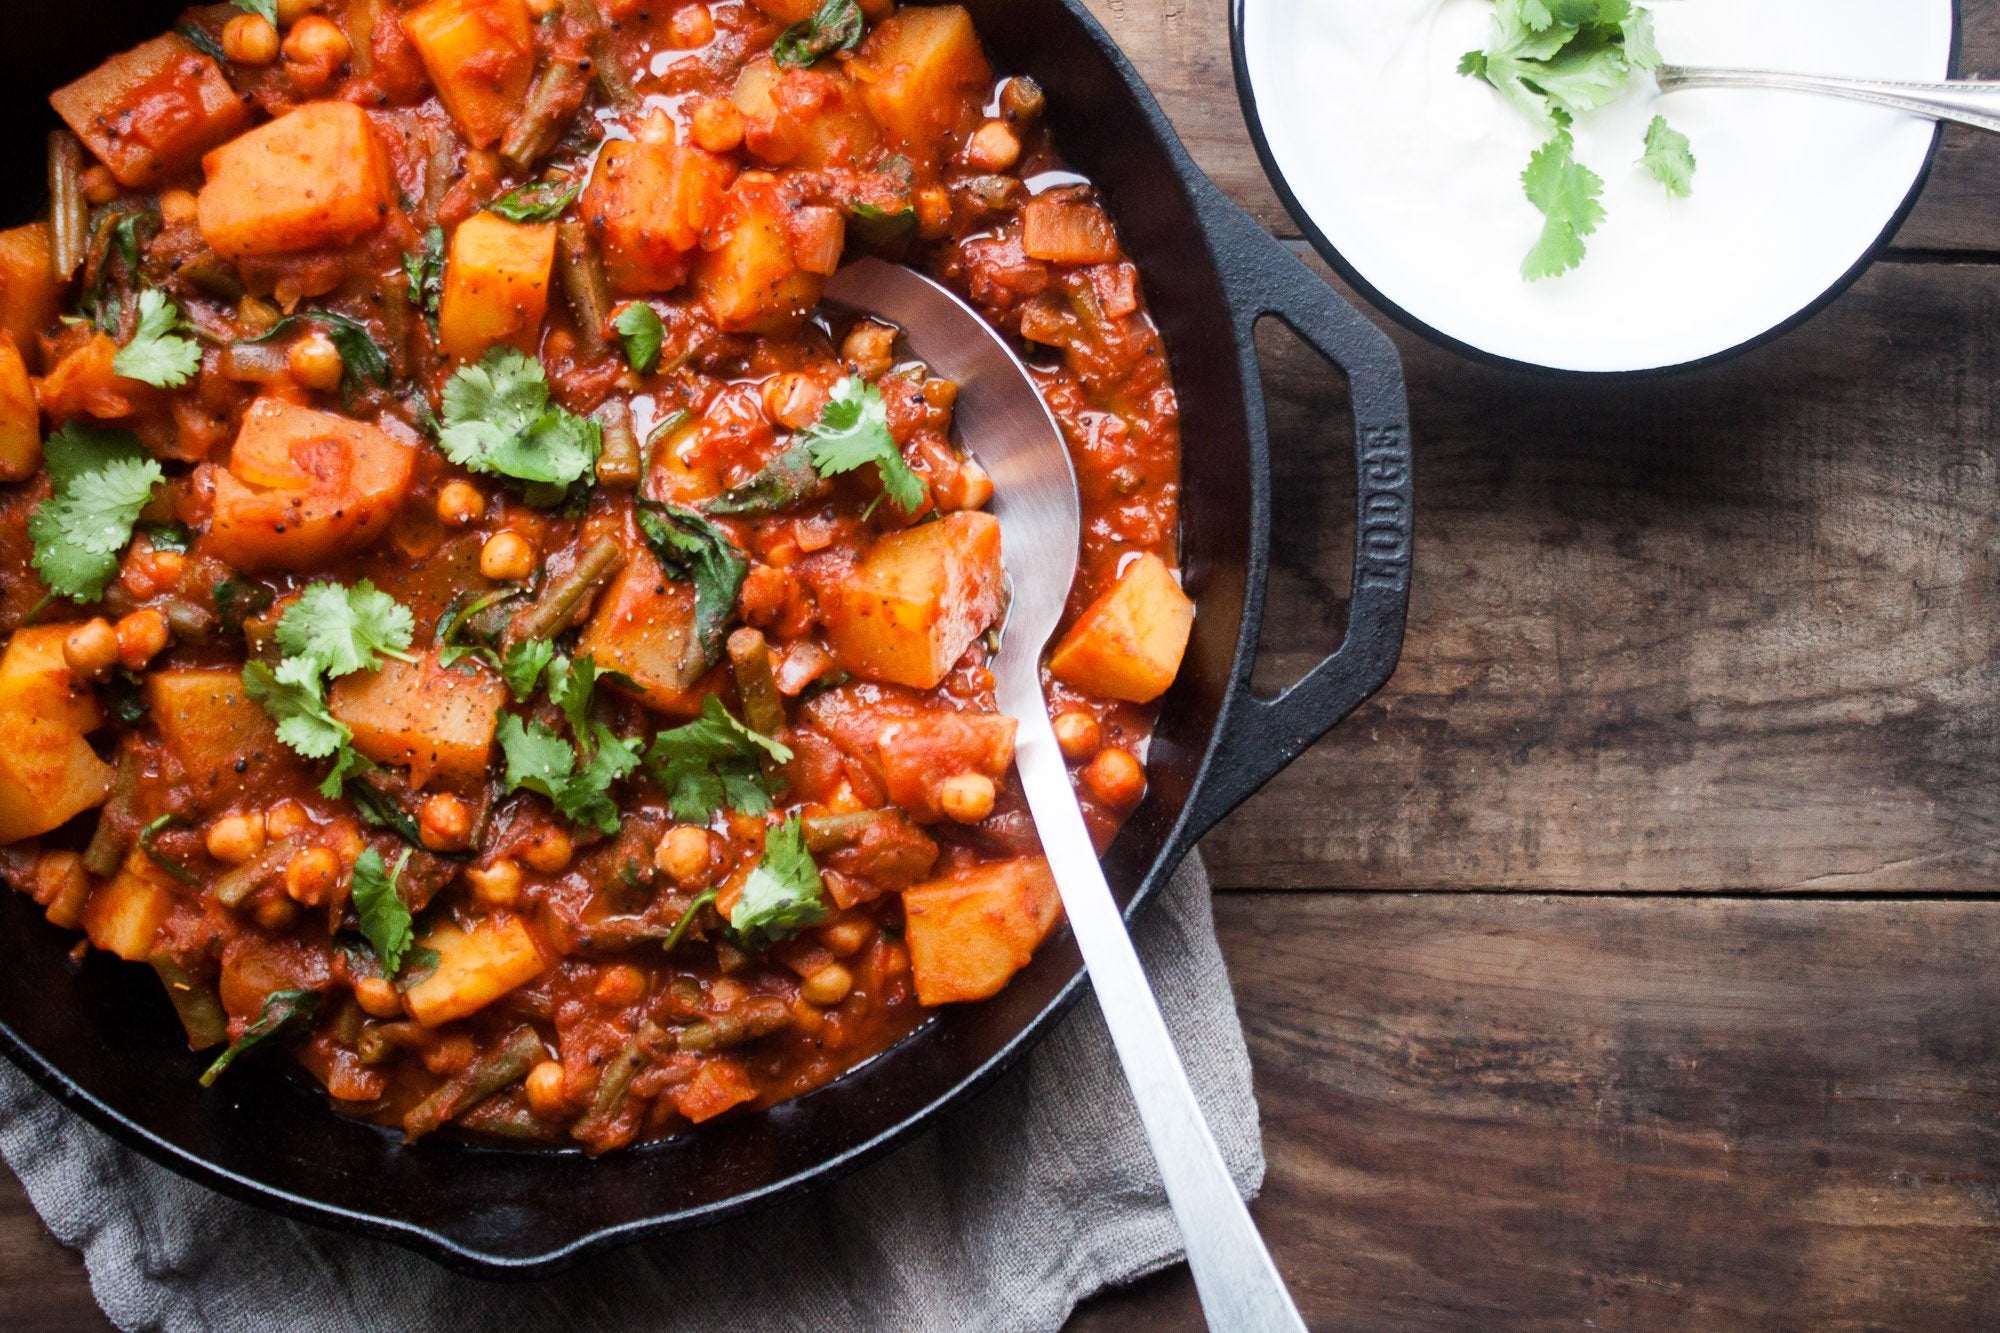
(1260,737)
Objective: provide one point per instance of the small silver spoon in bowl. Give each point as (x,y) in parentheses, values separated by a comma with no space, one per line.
(1010,430)
(1974,102)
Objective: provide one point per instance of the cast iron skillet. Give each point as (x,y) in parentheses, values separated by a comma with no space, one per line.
(100,1036)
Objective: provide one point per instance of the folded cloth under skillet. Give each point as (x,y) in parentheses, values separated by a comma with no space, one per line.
(1002,1217)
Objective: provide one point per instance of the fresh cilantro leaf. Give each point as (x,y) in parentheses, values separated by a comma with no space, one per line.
(784,894)
(712,762)
(103,479)
(464,616)
(786,480)
(155,355)
(115,232)
(837,25)
(263,9)
(639,325)
(294,697)
(523,664)
(875,225)
(284,1012)
(198,37)
(168,537)
(424,271)
(498,419)
(692,548)
(385,917)
(237,600)
(572,681)
(543,201)
(381,810)
(337,630)
(1669,157)
(541,761)
(853,431)
(538,759)
(361,357)
(1566,192)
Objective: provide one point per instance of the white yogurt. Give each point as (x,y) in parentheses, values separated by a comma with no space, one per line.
(1413,170)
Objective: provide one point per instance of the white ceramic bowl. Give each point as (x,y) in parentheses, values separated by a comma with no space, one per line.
(1793,192)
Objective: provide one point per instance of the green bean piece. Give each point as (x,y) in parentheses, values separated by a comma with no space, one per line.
(552,612)
(615,1083)
(510,1064)
(618,463)
(559,90)
(378,1042)
(233,887)
(584,284)
(69,214)
(758,1016)
(829,833)
(195,1001)
(117,822)
(505,1120)
(757,680)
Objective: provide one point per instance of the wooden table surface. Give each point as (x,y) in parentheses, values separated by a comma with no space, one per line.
(1646,972)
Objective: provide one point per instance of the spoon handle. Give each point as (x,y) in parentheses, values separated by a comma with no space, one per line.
(1967,101)
(1240,1289)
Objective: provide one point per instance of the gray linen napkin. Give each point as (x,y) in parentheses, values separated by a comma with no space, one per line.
(1003,1217)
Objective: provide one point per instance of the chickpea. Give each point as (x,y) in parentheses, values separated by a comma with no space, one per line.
(966,797)
(507,557)
(315,362)
(496,885)
(99,185)
(1115,777)
(547,1095)
(829,985)
(444,822)
(315,49)
(91,649)
(286,819)
(179,208)
(377,998)
(62,886)
(848,936)
(249,39)
(717,126)
(1078,735)
(691,26)
(141,637)
(310,875)
(541,9)
(1021,98)
(993,147)
(793,400)
(275,914)
(683,856)
(149,571)
(620,985)
(234,839)
(460,503)
(291,11)
(550,852)
(869,349)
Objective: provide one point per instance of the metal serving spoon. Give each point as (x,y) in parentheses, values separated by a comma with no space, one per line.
(1035,498)
(1974,102)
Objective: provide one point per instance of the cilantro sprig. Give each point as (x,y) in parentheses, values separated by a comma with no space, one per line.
(157,355)
(498,419)
(539,201)
(385,917)
(853,431)
(641,330)
(713,762)
(785,893)
(284,1012)
(103,480)
(836,25)
(575,776)
(423,272)
(1556,61)
(692,548)
(361,357)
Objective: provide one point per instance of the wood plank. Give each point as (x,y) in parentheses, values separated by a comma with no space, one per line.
(1498,1112)
(1181,48)
(1729,630)
(43,1288)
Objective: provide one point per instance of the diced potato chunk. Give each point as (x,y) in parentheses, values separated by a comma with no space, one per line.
(48,772)
(971,931)
(152,111)
(481,56)
(124,915)
(496,285)
(803,117)
(751,281)
(475,967)
(1067,233)
(86,383)
(225,742)
(315,177)
(721,1084)
(644,627)
(303,486)
(437,721)
(1128,644)
(648,204)
(919,753)
(923,76)
(30,296)
(20,416)
(917,600)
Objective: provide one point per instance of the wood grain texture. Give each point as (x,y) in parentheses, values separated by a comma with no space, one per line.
(1488,1112)
(1731,630)
(43,1288)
